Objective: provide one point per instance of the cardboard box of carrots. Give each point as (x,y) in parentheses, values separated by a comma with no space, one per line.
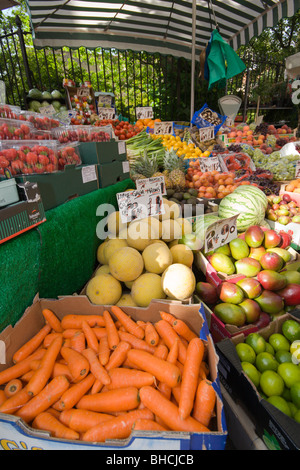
(74,375)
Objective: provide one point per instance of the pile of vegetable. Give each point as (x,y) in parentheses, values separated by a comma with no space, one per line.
(98,377)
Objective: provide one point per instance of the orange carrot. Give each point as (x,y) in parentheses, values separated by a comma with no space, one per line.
(162,370)
(122,399)
(30,346)
(100,332)
(47,422)
(91,338)
(52,320)
(20,368)
(3,397)
(77,341)
(183,330)
(136,342)
(17,401)
(116,428)
(175,392)
(43,400)
(204,402)
(97,386)
(205,368)
(129,324)
(161,351)
(151,335)
(26,377)
(103,350)
(12,387)
(82,420)
(78,364)
(75,321)
(118,356)
(195,351)
(168,412)
(147,425)
(97,369)
(169,335)
(43,373)
(121,377)
(49,338)
(172,358)
(112,332)
(167,317)
(141,323)
(70,332)
(73,394)
(62,369)
(54,412)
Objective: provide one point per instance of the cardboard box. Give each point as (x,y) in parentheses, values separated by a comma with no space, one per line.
(102,152)
(24,215)
(59,187)
(112,173)
(16,434)
(293,229)
(277,430)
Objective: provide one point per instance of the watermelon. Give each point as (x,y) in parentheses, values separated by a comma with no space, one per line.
(202,223)
(249,202)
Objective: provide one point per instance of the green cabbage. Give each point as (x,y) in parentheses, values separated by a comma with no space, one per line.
(56,95)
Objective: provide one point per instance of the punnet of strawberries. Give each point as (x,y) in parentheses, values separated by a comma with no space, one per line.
(67,155)
(28,159)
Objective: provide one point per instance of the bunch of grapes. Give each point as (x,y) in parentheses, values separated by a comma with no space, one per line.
(281,142)
(262,128)
(234,148)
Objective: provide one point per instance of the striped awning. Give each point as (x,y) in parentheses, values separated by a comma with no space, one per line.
(165,26)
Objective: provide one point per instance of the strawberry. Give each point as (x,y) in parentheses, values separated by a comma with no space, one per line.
(17,166)
(10,154)
(38,168)
(4,163)
(43,159)
(21,155)
(27,170)
(50,168)
(31,158)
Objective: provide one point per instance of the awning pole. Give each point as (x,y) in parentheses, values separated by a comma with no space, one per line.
(194,12)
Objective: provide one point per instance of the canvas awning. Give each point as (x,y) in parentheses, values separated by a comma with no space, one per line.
(164,26)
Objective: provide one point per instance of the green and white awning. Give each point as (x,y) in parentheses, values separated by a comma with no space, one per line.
(164,26)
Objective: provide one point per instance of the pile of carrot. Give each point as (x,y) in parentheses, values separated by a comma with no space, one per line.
(98,377)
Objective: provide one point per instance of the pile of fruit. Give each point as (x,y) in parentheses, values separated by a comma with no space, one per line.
(210,184)
(266,283)
(293,186)
(11,129)
(39,121)
(143,260)
(25,159)
(142,124)
(69,134)
(182,147)
(271,362)
(38,99)
(283,209)
(67,155)
(94,378)
(123,130)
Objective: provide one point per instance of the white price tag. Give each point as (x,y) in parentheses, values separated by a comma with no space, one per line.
(206,133)
(209,164)
(135,205)
(125,166)
(163,128)
(156,182)
(219,233)
(83,92)
(121,147)
(106,113)
(297,171)
(144,112)
(47,110)
(88,173)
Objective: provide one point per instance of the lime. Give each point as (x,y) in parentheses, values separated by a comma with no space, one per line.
(281,404)
(257,342)
(286,394)
(265,361)
(291,330)
(270,349)
(271,383)
(293,408)
(297,416)
(252,373)
(278,341)
(283,356)
(289,372)
(295,394)
(245,352)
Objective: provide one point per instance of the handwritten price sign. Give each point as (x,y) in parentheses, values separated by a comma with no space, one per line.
(163,128)
(135,205)
(209,164)
(83,92)
(144,112)
(219,233)
(106,113)
(206,133)
(156,182)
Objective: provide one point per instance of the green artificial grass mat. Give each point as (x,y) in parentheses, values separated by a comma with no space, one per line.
(57,258)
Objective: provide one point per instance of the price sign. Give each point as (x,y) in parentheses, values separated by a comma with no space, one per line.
(156,182)
(163,128)
(47,110)
(106,113)
(83,91)
(206,133)
(209,164)
(219,233)
(135,205)
(144,112)
(297,172)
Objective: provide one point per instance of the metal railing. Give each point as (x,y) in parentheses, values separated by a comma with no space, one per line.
(135,78)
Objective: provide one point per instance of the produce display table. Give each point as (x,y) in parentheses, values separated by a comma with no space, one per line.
(55,259)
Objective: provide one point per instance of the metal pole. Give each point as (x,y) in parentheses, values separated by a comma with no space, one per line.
(194,12)
(23,50)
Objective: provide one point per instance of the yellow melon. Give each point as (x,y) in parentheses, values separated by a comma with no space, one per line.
(157,257)
(114,223)
(104,289)
(102,269)
(126,264)
(126,300)
(100,252)
(171,230)
(146,287)
(140,234)
(182,254)
(113,245)
(178,281)
(185,225)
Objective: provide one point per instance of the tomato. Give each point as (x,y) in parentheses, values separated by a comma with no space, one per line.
(122,137)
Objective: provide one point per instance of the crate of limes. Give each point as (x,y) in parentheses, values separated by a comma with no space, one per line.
(263,371)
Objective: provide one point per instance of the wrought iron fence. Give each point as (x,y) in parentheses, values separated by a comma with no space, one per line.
(135,78)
